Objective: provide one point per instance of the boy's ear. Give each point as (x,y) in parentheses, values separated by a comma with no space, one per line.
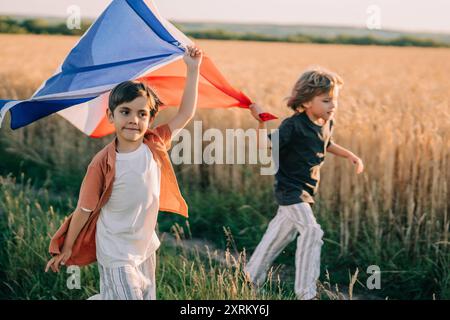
(305,105)
(150,122)
(110,115)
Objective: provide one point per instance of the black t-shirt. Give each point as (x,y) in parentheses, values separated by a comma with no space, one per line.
(302,147)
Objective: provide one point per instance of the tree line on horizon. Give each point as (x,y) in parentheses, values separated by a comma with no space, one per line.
(43,26)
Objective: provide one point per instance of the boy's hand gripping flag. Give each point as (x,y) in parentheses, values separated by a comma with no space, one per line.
(129,41)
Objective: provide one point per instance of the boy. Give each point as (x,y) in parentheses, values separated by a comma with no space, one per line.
(304,139)
(126,184)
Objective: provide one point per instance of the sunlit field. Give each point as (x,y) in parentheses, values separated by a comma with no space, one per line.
(394,112)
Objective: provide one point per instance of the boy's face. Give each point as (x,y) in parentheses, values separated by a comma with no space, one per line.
(323,106)
(131,119)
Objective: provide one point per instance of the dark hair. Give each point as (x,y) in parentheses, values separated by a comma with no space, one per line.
(129,90)
(311,83)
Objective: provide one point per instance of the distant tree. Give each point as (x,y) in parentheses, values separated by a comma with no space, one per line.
(36,25)
(8,25)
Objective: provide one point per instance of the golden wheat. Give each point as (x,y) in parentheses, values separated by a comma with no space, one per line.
(394,112)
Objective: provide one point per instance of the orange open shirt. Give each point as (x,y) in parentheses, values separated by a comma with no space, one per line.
(97,186)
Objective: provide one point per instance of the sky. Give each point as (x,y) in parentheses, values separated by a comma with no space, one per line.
(406,15)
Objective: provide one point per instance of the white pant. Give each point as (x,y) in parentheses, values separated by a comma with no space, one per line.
(284,228)
(128,282)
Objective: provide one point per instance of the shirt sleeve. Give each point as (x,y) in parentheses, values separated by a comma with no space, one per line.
(165,134)
(284,133)
(91,188)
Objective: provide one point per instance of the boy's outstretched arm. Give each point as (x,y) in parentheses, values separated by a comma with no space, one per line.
(339,151)
(193,59)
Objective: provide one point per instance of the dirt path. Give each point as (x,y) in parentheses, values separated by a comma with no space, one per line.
(285,273)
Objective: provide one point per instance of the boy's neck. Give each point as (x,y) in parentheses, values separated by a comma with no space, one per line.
(124,146)
(315,120)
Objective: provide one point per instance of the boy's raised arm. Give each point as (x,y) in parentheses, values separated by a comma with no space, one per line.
(193,59)
(262,140)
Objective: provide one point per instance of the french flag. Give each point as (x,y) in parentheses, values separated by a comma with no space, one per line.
(130,40)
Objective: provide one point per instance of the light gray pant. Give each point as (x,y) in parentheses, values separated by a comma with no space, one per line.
(128,282)
(289,222)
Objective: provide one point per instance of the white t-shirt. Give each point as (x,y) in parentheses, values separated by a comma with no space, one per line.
(126,225)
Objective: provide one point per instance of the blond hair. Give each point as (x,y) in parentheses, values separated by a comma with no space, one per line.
(313,82)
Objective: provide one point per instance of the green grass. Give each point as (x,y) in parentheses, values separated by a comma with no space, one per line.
(233,221)
(239,219)
(29,217)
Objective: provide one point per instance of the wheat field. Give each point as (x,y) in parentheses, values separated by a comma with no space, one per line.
(394,113)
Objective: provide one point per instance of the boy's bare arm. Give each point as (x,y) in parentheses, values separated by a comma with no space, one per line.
(339,151)
(188,105)
(79,219)
(77,222)
(262,140)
